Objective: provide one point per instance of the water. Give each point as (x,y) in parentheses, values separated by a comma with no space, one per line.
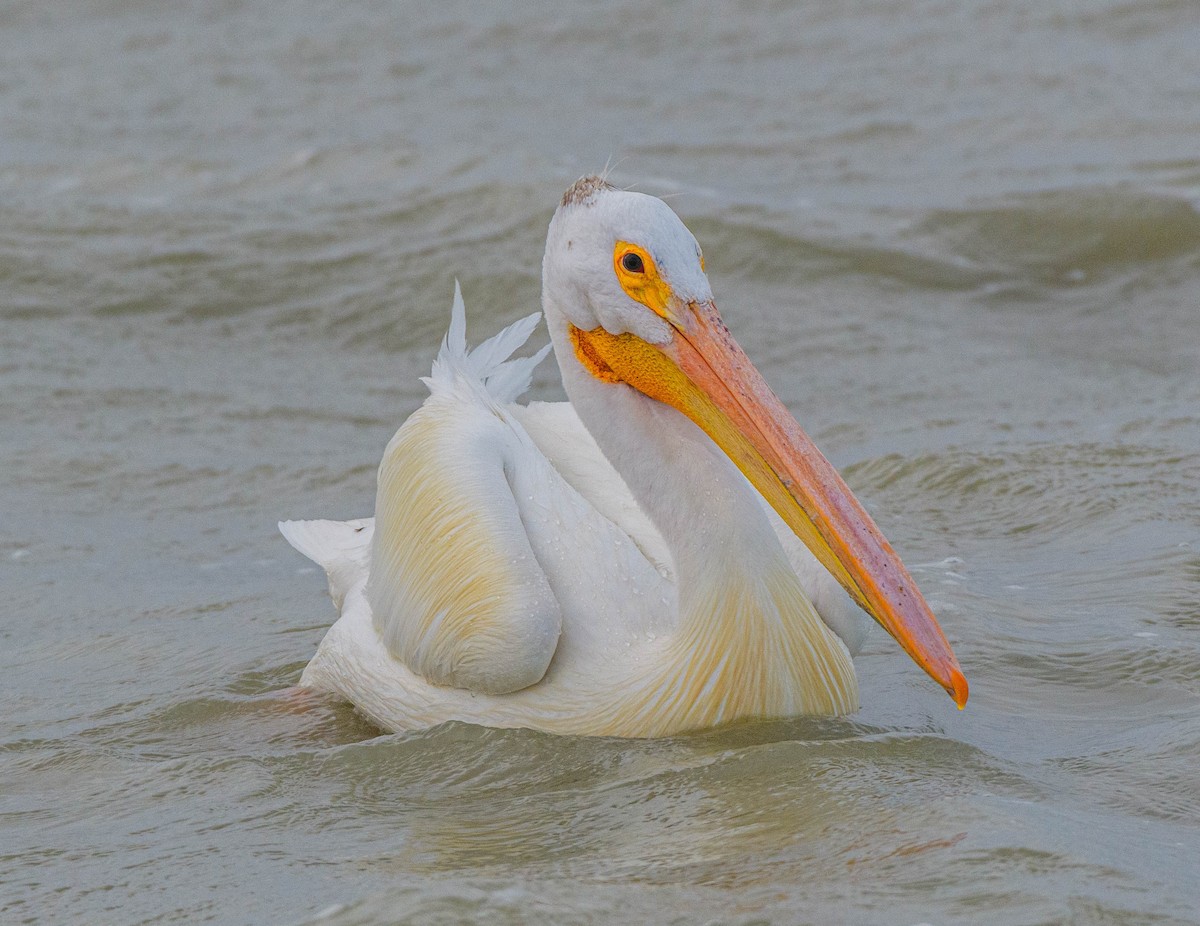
(962,240)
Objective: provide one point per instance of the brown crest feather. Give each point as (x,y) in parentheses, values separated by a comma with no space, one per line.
(584,189)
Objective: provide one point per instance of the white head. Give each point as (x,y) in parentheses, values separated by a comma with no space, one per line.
(607,250)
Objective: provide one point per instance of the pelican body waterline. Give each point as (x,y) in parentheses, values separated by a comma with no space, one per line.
(666,551)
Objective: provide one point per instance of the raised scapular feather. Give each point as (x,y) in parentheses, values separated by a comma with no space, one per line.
(489,369)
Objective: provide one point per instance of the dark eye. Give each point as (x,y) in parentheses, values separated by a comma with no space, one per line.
(633,263)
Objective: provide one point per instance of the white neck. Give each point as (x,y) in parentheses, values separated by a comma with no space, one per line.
(708,514)
(750,643)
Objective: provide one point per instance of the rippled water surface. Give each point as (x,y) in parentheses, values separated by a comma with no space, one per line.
(961,239)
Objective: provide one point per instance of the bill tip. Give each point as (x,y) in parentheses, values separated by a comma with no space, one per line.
(958,688)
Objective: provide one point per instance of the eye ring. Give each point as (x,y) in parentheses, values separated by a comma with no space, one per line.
(633,263)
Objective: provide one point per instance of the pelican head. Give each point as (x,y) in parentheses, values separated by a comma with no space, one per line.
(626,278)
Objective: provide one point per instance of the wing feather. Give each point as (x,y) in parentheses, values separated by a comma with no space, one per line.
(455,589)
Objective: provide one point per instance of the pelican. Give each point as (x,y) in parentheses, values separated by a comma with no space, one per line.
(666,551)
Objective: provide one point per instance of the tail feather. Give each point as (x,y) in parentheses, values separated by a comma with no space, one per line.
(341,548)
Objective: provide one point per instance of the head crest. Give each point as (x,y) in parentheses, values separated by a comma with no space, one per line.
(584,189)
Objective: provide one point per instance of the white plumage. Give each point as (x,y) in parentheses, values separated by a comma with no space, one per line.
(598,566)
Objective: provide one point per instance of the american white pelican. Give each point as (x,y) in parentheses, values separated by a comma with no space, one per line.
(622,564)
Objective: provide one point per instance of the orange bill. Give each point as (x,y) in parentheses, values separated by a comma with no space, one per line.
(704,374)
